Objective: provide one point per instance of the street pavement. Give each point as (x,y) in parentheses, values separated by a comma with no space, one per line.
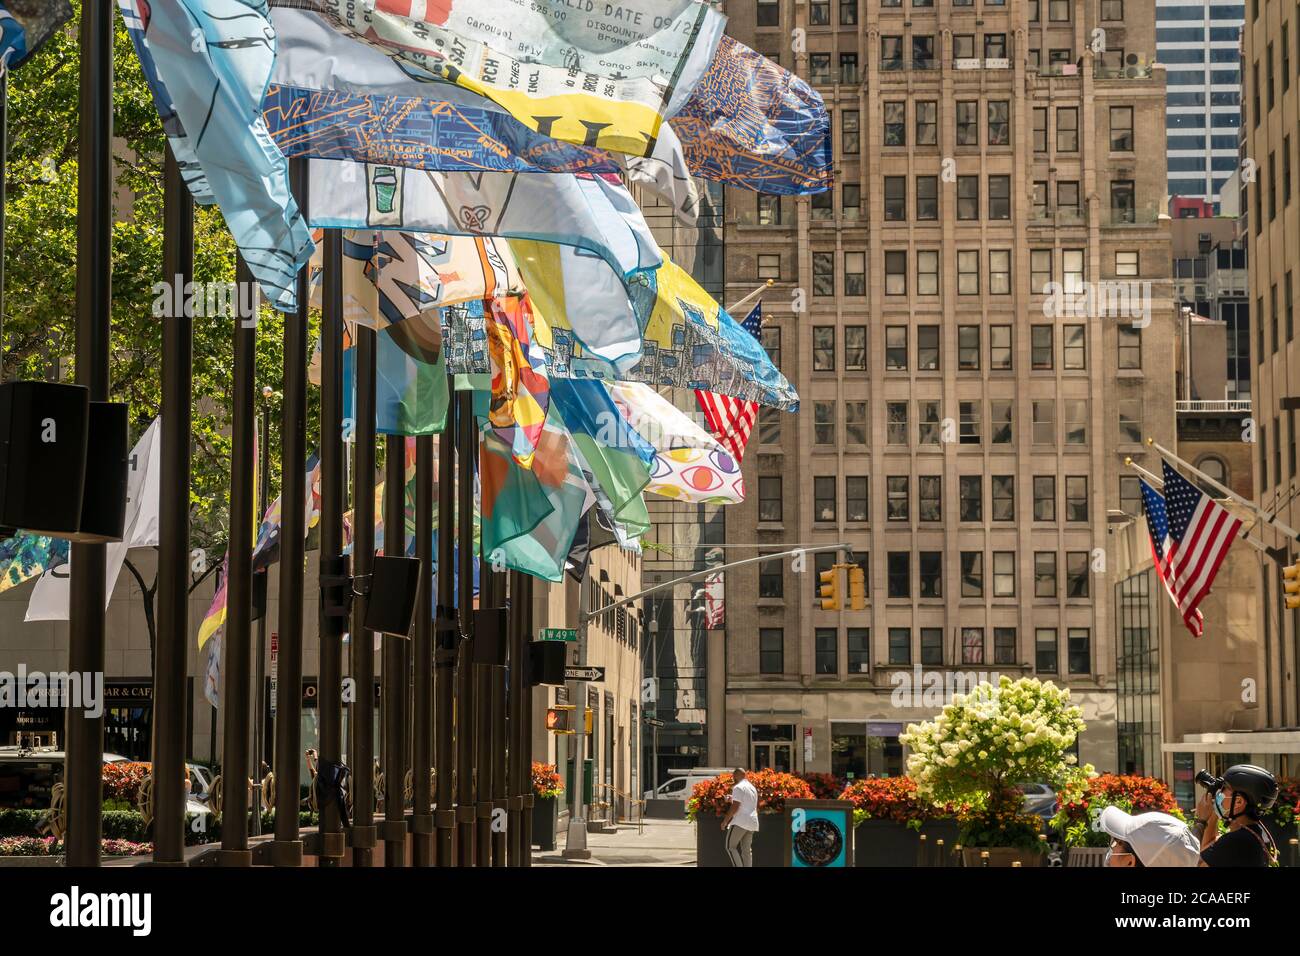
(655,843)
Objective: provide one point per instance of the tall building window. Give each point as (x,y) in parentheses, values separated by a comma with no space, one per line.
(970,493)
(826,660)
(848,13)
(1040,209)
(1040,129)
(1072,270)
(968,123)
(855,423)
(1004,645)
(891,52)
(999,272)
(929,497)
(850,131)
(1127,263)
(1000,429)
(1044,497)
(972,574)
(896,273)
(972,645)
(1004,497)
(823,273)
(922,51)
(896,348)
(927,197)
(1058,11)
(995,46)
(1040,269)
(855,273)
(1074,418)
(1004,574)
(849,70)
(1040,347)
(1130,420)
(895,198)
(771,650)
(855,348)
(1130,495)
(823,423)
(855,498)
(823,348)
(1067,129)
(896,123)
(769,266)
(1067,198)
(1076,574)
(1044,574)
(769,425)
(927,348)
(1121,129)
(968,197)
(1112,9)
(851,202)
(999,123)
(927,272)
(769,210)
(896,423)
(927,122)
(968,272)
(770,338)
(931,574)
(1045,650)
(929,426)
(1123,205)
(1000,352)
(1074,352)
(900,645)
(1076,498)
(999,197)
(769,498)
(969,422)
(968,348)
(900,574)
(822,208)
(823,498)
(1079,649)
(769,13)
(859,643)
(819,69)
(771,579)
(932,646)
(897,498)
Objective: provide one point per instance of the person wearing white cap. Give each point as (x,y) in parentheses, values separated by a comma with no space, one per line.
(1149,839)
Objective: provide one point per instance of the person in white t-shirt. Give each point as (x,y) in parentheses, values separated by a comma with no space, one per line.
(741,821)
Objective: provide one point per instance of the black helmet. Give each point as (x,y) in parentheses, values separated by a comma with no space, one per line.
(1256,784)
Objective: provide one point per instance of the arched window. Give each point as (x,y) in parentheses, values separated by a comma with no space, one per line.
(1216,469)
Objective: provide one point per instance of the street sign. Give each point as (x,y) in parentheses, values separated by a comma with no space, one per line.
(593,674)
(568,634)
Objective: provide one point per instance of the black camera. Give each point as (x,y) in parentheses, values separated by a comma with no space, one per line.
(1209,781)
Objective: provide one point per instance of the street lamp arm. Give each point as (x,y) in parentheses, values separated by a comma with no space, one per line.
(585,615)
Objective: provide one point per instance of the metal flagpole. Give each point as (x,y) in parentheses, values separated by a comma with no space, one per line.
(395,675)
(85,734)
(1156,479)
(169,698)
(518,684)
(735,306)
(361,723)
(1227,492)
(467,441)
(237,640)
(287,847)
(489,584)
(526,725)
(329,700)
(422,750)
(448,640)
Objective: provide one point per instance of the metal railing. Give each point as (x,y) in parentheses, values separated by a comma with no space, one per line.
(1212,405)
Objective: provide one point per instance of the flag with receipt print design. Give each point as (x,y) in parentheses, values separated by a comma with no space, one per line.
(731,419)
(1190,536)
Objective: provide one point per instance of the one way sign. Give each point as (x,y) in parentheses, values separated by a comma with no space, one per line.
(594,674)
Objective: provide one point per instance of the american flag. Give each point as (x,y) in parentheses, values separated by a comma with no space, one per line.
(731,419)
(1190,536)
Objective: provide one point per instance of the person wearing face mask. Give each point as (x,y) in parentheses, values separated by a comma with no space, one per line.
(1238,798)
(1148,839)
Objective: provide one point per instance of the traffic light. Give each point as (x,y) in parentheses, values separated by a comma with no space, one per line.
(1291,585)
(559,719)
(857,588)
(832,600)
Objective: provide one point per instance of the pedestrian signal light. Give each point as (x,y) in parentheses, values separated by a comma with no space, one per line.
(830,590)
(857,588)
(1291,585)
(560,719)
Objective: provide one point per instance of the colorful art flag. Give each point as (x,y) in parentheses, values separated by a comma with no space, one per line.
(753,125)
(25,25)
(51,598)
(689,463)
(211,61)
(666,173)
(732,420)
(411,395)
(520,391)
(333,96)
(615,460)
(25,556)
(596,74)
(586,212)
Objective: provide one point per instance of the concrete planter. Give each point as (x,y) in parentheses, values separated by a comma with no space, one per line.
(546,816)
(879,843)
(711,841)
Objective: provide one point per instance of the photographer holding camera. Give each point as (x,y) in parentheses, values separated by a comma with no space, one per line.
(1238,798)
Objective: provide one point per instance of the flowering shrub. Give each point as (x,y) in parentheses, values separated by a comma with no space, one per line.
(122,781)
(985,743)
(1080,802)
(825,786)
(546,780)
(1286,809)
(774,789)
(47,846)
(891,798)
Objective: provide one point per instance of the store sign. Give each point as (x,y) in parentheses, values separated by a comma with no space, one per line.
(884,729)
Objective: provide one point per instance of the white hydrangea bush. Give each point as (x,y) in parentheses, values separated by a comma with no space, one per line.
(986,742)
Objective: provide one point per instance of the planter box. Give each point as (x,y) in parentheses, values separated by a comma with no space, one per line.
(546,815)
(1003,856)
(768,846)
(879,843)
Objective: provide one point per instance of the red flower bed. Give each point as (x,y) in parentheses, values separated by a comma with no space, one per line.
(546,780)
(891,798)
(1286,809)
(825,786)
(774,789)
(122,780)
(1133,793)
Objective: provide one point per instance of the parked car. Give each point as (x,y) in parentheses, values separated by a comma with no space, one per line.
(681,783)
(28,776)
(1040,800)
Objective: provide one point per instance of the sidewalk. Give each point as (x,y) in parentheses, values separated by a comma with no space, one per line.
(656,843)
